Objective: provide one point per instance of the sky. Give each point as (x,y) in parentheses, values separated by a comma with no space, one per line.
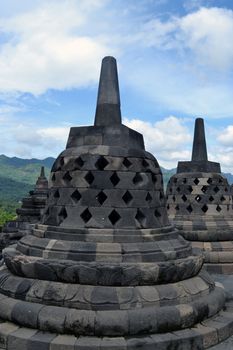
(175,63)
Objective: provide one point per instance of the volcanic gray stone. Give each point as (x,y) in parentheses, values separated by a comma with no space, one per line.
(108,103)
(199,162)
(116,274)
(199,201)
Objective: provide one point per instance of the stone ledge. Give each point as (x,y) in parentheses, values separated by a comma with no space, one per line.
(203,336)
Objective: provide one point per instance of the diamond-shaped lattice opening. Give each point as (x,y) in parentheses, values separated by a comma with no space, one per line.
(145,164)
(89,177)
(174,198)
(148,197)
(175,180)
(86,215)
(114,217)
(189,208)
(218,208)
(76,196)
(220,181)
(216,189)
(62,214)
(60,164)
(198,198)
(127,197)
(178,189)
(184,181)
(196,181)
(184,198)
(177,207)
(157,213)
(101,197)
(137,178)
(126,163)
(211,198)
(154,178)
(190,189)
(222,199)
(53,178)
(204,208)
(56,194)
(101,163)
(79,163)
(140,217)
(114,179)
(209,181)
(67,177)
(204,189)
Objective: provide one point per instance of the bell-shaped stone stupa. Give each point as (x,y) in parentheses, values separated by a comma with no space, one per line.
(106,270)
(199,201)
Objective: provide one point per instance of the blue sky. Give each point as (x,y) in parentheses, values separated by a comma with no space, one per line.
(175,62)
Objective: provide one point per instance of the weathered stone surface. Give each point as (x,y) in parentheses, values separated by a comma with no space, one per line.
(105,268)
(199,201)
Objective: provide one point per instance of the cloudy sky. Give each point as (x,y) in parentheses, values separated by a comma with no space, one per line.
(175,63)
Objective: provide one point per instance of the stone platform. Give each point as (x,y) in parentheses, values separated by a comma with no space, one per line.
(203,336)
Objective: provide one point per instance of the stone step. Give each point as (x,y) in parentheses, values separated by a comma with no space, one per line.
(203,336)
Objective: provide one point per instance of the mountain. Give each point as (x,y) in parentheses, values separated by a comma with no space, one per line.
(18,177)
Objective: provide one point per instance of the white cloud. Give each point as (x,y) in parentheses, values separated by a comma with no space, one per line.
(48,48)
(50,138)
(207,33)
(226,136)
(168,140)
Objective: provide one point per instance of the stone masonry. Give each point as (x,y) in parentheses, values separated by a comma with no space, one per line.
(105,269)
(199,202)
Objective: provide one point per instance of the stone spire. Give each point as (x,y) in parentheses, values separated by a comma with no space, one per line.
(108,111)
(42,182)
(199,142)
(42,174)
(199,162)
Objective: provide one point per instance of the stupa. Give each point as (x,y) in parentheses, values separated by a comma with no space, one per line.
(199,202)
(105,269)
(32,206)
(29,213)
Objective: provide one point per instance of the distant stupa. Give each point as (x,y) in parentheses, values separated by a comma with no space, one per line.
(199,201)
(33,205)
(30,213)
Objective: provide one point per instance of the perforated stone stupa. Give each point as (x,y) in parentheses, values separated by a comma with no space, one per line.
(199,201)
(106,270)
